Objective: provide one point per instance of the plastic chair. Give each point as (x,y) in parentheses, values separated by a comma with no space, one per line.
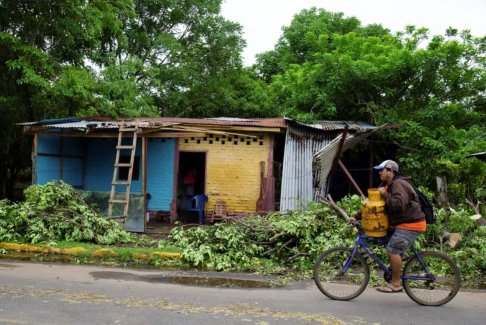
(197,205)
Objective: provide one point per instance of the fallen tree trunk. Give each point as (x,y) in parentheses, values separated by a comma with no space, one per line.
(452,239)
(479,220)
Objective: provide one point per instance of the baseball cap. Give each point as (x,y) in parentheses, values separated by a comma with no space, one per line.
(387,164)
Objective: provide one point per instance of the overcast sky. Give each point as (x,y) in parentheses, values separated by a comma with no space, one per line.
(262,20)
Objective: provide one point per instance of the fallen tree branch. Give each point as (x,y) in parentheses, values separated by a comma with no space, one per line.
(474,206)
(330,202)
(297,255)
(286,243)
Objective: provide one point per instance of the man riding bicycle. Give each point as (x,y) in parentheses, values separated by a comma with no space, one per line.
(405,216)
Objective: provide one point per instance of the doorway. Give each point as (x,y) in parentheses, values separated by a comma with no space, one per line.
(191,180)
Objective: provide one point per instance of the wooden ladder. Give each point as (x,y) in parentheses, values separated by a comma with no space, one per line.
(124,129)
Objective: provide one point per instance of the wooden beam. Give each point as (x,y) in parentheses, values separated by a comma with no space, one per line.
(178,132)
(248,128)
(350,178)
(175,135)
(210,131)
(340,149)
(79,134)
(58,155)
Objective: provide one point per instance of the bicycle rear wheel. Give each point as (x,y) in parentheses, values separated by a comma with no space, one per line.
(442,286)
(333,282)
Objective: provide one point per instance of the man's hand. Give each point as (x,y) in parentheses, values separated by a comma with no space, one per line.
(382,190)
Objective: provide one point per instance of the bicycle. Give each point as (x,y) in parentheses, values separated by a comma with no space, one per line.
(429,278)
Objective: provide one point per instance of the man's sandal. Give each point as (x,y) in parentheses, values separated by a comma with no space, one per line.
(388,288)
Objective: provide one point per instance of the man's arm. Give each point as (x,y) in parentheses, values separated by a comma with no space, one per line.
(398,198)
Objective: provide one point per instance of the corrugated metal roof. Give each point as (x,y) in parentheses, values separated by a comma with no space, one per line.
(155,122)
(324,158)
(80,124)
(336,125)
(221,121)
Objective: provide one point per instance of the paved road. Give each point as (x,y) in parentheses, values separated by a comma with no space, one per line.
(36,293)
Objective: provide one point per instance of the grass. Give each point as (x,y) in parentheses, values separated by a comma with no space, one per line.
(86,253)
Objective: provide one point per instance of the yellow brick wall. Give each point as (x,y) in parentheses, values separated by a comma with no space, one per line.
(232,170)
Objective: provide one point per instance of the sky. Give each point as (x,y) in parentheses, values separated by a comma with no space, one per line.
(262,20)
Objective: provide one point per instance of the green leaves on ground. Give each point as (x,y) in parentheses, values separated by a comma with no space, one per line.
(471,251)
(56,212)
(282,243)
(245,244)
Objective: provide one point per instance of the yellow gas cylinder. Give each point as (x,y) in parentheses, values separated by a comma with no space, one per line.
(374,219)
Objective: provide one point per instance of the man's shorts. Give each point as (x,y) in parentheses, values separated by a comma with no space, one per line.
(401,240)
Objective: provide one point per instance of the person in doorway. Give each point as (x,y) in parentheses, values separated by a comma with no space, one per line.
(405,218)
(189,182)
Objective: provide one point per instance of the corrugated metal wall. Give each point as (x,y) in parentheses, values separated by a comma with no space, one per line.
(308,159)
(297,175)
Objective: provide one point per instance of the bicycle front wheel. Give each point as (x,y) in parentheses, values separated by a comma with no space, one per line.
(441,284)
(338,276)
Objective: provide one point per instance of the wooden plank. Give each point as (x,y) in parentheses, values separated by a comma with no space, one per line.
(79,134)
(118,217)
(159,134)
(118,201)
(120,183)
(122,164)
(43,154)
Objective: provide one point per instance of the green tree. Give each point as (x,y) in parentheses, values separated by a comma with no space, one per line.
(327,66)
(185,54)
(130,58)
(45,48)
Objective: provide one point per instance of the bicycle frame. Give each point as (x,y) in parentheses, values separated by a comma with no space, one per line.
(361,241)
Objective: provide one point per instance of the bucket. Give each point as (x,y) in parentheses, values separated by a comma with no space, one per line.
(374,219)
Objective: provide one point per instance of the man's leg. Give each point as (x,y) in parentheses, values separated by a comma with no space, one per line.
(398,243)
(396,267)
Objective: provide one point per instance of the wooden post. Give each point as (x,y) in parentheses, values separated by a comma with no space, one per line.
(61,149)
(372,155)
(144,181)
(34,160)
(340,148)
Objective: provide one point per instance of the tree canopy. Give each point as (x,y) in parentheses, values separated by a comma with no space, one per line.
(327,66)
(114,58)
(64,58)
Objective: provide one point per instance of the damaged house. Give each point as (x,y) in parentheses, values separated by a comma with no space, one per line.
(192,170)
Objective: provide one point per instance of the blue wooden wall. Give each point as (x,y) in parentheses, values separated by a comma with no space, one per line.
(50,151)
(87,163)
(99,161)
(160,173)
